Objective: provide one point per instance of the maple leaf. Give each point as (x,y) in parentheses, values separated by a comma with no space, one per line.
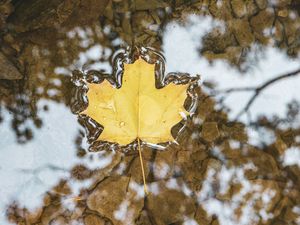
(137,110)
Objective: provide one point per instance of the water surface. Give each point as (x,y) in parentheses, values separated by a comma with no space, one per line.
(237,161)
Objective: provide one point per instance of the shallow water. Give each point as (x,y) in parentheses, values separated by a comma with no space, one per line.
(236,161)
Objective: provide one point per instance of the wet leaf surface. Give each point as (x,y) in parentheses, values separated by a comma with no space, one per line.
(137,109)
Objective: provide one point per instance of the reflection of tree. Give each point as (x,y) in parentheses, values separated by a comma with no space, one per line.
(248,23)
(213,166)
(37,56)
(256,90)
(46,48)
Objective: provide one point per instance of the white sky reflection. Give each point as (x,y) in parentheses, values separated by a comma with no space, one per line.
(28,170)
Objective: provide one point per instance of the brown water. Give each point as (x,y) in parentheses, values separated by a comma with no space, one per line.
(237,160)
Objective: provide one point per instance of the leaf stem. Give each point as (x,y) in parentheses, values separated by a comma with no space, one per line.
(142,166)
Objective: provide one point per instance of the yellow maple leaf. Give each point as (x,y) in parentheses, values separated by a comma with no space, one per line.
(137,110)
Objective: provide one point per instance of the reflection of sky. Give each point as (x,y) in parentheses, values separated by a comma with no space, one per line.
(88,59)
(244,199)
(182,44)
(28,170)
